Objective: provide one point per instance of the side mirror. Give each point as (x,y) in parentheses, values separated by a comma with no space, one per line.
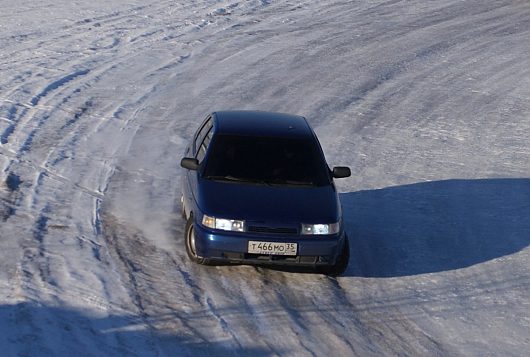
(341,172)
(190,163)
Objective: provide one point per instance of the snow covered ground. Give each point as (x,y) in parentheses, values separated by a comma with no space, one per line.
(427,101)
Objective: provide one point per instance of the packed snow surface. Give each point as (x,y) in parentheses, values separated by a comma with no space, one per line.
(427,101)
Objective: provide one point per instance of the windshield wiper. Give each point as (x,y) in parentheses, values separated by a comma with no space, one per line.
(236,179)
(275,182)
(294,183)
(223,178)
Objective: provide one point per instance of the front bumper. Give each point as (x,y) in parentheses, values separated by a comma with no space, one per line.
(230,247)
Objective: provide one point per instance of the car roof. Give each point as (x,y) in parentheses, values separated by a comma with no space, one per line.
(260,123)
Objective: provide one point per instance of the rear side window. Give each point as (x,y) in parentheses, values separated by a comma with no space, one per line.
(201,134)
(201,151)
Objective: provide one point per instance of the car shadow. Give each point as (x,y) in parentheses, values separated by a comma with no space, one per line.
(33,329)
(435,226)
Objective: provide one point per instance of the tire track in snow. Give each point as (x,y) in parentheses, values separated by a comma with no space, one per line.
(158,286)
(26,117)
(70,133)
(72,76)
(132,271)
(9,203)
(56,84)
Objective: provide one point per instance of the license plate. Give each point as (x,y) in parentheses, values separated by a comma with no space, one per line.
(272,248)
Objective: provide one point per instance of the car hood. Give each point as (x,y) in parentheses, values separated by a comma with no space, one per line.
(269,203)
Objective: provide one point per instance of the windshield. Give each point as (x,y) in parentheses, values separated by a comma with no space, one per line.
(264,160)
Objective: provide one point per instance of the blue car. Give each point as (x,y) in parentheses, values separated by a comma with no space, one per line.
(257,190)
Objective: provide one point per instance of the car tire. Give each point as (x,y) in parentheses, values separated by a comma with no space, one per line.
(189,239)
(341,264)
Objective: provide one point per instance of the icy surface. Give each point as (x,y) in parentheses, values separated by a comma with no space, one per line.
(427,101)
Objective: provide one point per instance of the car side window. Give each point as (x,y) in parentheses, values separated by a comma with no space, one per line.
(201,152)
(201,134)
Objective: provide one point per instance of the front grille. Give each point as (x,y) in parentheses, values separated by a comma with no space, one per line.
(271,230)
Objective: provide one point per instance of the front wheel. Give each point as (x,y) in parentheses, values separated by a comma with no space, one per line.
(191,248)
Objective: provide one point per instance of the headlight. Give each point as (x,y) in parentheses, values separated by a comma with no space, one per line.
(332,228)
(223,224)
